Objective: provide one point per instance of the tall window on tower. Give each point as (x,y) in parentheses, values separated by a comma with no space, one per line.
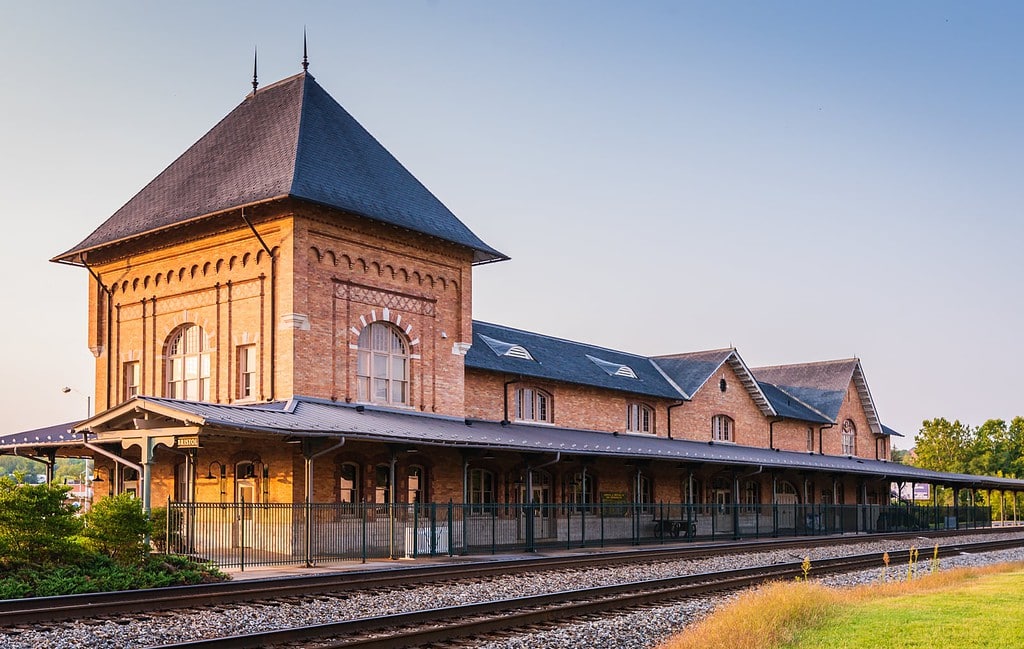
(247,371)
(131,380)
(188,364)
(383,365)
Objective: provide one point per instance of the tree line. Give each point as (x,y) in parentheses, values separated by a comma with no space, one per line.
(995,448)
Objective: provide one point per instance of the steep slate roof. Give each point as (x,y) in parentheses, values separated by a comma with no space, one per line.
(822,386)
(564,360)
(303,416)
(691,371)
(289,139)
(789,406)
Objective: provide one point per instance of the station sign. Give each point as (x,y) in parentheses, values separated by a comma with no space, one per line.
(189,441)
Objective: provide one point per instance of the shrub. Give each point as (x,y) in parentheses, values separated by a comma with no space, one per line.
(37,523)
(117,527)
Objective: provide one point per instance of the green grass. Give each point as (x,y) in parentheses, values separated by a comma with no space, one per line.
(981,612)
(957,609)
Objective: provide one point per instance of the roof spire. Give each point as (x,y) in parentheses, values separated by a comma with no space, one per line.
(255,83)
(305,54)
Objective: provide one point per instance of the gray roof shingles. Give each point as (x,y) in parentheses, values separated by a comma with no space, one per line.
(691,371)
(821,385)
(289,139)
(564,360)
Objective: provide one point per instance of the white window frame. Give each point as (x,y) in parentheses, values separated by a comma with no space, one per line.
(849,438)
(533,404)
(131,374)
(383,365)
(187,364)
(639,418)
(723,429)
(248,365)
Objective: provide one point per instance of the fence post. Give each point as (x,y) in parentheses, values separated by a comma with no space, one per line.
(241,534)
(362,507)
(451,527)
(167,527)
(309,532)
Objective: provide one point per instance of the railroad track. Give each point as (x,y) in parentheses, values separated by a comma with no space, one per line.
(27,611)
(443,625)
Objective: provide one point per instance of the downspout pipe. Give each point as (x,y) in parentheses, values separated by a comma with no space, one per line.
(309,457)
(106,325)
(505,420)
(771,431)
(273,302)
(668,413)
(821,447)
(105,453)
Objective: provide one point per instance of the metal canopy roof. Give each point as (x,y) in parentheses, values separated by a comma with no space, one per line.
(303,416)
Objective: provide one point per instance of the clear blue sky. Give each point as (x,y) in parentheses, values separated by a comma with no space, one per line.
(802,180)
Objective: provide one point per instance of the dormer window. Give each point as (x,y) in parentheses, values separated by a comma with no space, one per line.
(613,369)
(502,348)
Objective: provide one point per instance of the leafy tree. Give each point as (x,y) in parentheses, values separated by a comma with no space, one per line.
(37,523)
(944,446)
(118,527)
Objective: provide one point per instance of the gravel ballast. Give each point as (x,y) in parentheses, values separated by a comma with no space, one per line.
(635,629)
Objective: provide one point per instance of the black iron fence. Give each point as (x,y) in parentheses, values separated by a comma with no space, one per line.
(256,534)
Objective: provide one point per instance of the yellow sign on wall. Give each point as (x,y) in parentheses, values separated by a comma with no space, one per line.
(192,441)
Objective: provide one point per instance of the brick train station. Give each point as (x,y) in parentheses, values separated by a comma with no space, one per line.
(287,358)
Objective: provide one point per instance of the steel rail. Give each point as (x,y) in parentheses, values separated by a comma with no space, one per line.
(444,624)
(90,605)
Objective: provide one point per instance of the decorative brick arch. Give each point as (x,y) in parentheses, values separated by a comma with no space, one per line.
(384,314)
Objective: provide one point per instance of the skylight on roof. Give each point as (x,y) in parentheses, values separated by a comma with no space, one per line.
(614,369)
(502,348)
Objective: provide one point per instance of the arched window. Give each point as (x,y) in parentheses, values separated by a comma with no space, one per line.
(187,364)
(533,405)
(639,418)
(417,487)
(348,485)
(481,491)
(721,428)
(383,366)
(382,485)
(849,438)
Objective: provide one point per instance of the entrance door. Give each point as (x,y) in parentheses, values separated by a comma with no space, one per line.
(246,495)
(542,514)
(785,498)
(723,503)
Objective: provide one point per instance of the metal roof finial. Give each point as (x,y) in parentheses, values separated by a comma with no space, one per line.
(305,54)
(255,83)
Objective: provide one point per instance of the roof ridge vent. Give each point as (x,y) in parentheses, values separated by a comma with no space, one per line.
(613,369)
(502,348)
